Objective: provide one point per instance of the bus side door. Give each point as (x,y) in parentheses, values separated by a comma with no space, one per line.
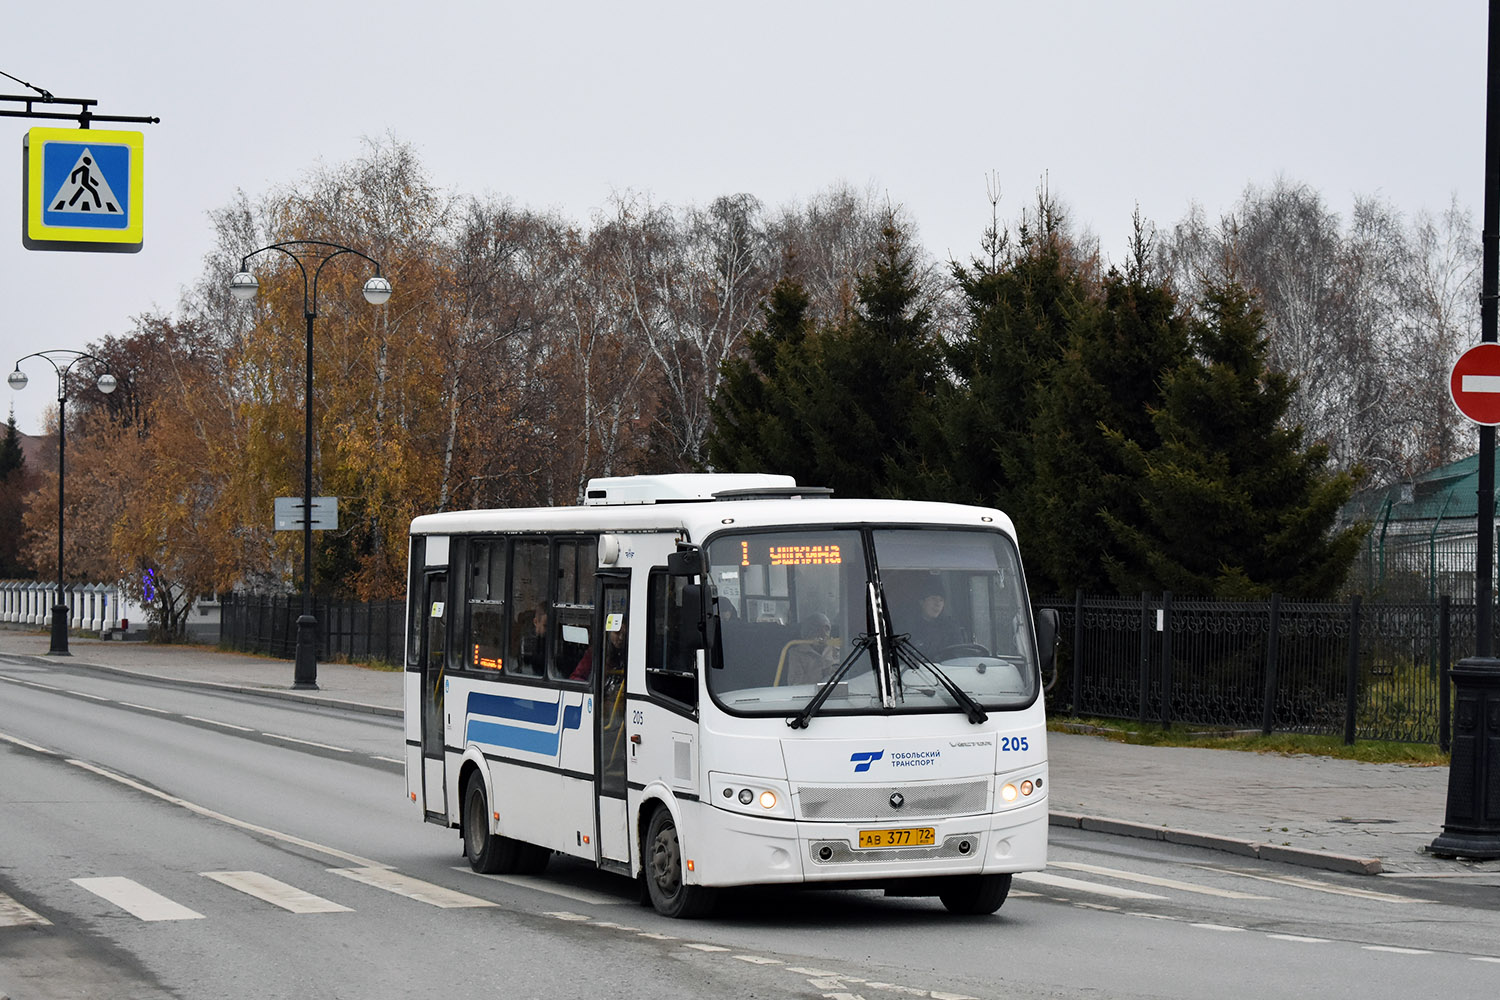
(613,644)
(434,654)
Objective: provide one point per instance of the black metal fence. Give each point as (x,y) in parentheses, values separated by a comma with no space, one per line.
(1362,670)
(357,630)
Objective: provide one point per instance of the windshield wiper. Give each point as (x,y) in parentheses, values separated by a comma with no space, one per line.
(861,644)
(913,657)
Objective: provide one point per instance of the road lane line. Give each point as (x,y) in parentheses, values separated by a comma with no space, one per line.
(1078,885)
(412,888)
(13,914)
(29,746)
(146,708)
(276,892)
(1297,938)
(193,807)
(1307,883)
(541,885)
(136,899)
(216,722)
(1165,883)
(306,743)
(388,760)
(1218,927)
(1395,951)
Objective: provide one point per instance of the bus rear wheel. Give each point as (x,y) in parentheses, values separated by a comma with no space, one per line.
(975,895)
(489,853)
(670,895)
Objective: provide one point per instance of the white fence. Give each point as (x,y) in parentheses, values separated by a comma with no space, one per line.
(92,607)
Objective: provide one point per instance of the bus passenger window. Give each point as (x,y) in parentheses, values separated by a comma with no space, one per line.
(527,651)
(671,654)
(486,599)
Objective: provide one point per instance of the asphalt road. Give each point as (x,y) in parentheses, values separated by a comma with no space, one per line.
(166,842)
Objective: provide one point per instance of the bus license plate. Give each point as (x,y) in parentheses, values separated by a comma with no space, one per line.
(912,836)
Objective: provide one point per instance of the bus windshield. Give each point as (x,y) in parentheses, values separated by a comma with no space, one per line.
(901,605)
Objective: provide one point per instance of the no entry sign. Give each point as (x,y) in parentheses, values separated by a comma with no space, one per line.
(1475,384)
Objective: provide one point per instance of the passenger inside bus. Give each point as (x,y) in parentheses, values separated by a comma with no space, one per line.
(614,656)
(534,646)
(813,658)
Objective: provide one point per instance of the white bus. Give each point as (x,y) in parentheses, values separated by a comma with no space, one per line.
(703,681)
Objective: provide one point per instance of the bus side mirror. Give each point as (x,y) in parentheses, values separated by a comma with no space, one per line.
(693,623)
(1047,627)
(685,562)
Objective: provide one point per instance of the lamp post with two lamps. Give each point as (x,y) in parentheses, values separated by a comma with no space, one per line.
(377,290)
(62,363)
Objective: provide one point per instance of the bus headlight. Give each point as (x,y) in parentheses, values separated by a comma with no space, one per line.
(757,796)
(1008,792)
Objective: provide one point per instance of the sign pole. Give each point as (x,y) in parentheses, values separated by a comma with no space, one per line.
(1471,826)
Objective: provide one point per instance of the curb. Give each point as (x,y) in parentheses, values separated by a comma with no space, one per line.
(284,694)
(1324,860)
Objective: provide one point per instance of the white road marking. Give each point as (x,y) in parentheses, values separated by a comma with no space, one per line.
(276,892)
(704,947)
(412,888)
(85,694)
(29,746)
(541,885)
(1483,958)
(1216,927)
(1077,885)
(216,722)
(1165,883)
(1297,938)
(145,708)
(306,743)
(1313,884)
(193,807)
(13,914)
(758,959)
(136,899)
(565,915)
(1395,951)
(388,760)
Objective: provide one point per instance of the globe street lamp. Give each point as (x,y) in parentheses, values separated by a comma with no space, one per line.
(62,362)
(377,290)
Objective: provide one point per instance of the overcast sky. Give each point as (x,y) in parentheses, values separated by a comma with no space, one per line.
(1155,103)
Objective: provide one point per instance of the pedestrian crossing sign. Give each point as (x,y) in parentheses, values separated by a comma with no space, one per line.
(83,190)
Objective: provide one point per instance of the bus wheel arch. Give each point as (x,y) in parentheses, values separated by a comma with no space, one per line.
(664,872)
(488,852)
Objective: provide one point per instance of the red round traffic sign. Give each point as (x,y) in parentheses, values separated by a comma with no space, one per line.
(1475,383)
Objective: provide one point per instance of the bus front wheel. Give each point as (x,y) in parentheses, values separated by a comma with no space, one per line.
(489,853)
(670,895)
(976,895)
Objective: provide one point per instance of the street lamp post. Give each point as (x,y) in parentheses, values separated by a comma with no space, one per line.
(62,363)
(377,290)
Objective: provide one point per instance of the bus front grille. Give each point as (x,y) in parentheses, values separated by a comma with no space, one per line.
(884,803)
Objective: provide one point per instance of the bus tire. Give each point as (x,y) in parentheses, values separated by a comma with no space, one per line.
(488,853)
(670,894)
(976,895)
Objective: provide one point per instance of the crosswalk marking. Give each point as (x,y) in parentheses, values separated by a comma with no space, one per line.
(412,888)
(1078,885)
(13,914)
(1165,883)
(276,892)
(136,899)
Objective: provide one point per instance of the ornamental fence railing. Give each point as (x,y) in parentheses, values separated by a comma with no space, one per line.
(1361,669)
(356,630)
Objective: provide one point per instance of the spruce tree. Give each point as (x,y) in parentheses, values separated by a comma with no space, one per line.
(1109,379)
(12,491)
(1234,506)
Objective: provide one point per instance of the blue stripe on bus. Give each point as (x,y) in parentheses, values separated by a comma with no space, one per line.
(520,710)
(513,737)
(543,713)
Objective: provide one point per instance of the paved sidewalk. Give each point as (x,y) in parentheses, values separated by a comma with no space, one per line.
(1314,811)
